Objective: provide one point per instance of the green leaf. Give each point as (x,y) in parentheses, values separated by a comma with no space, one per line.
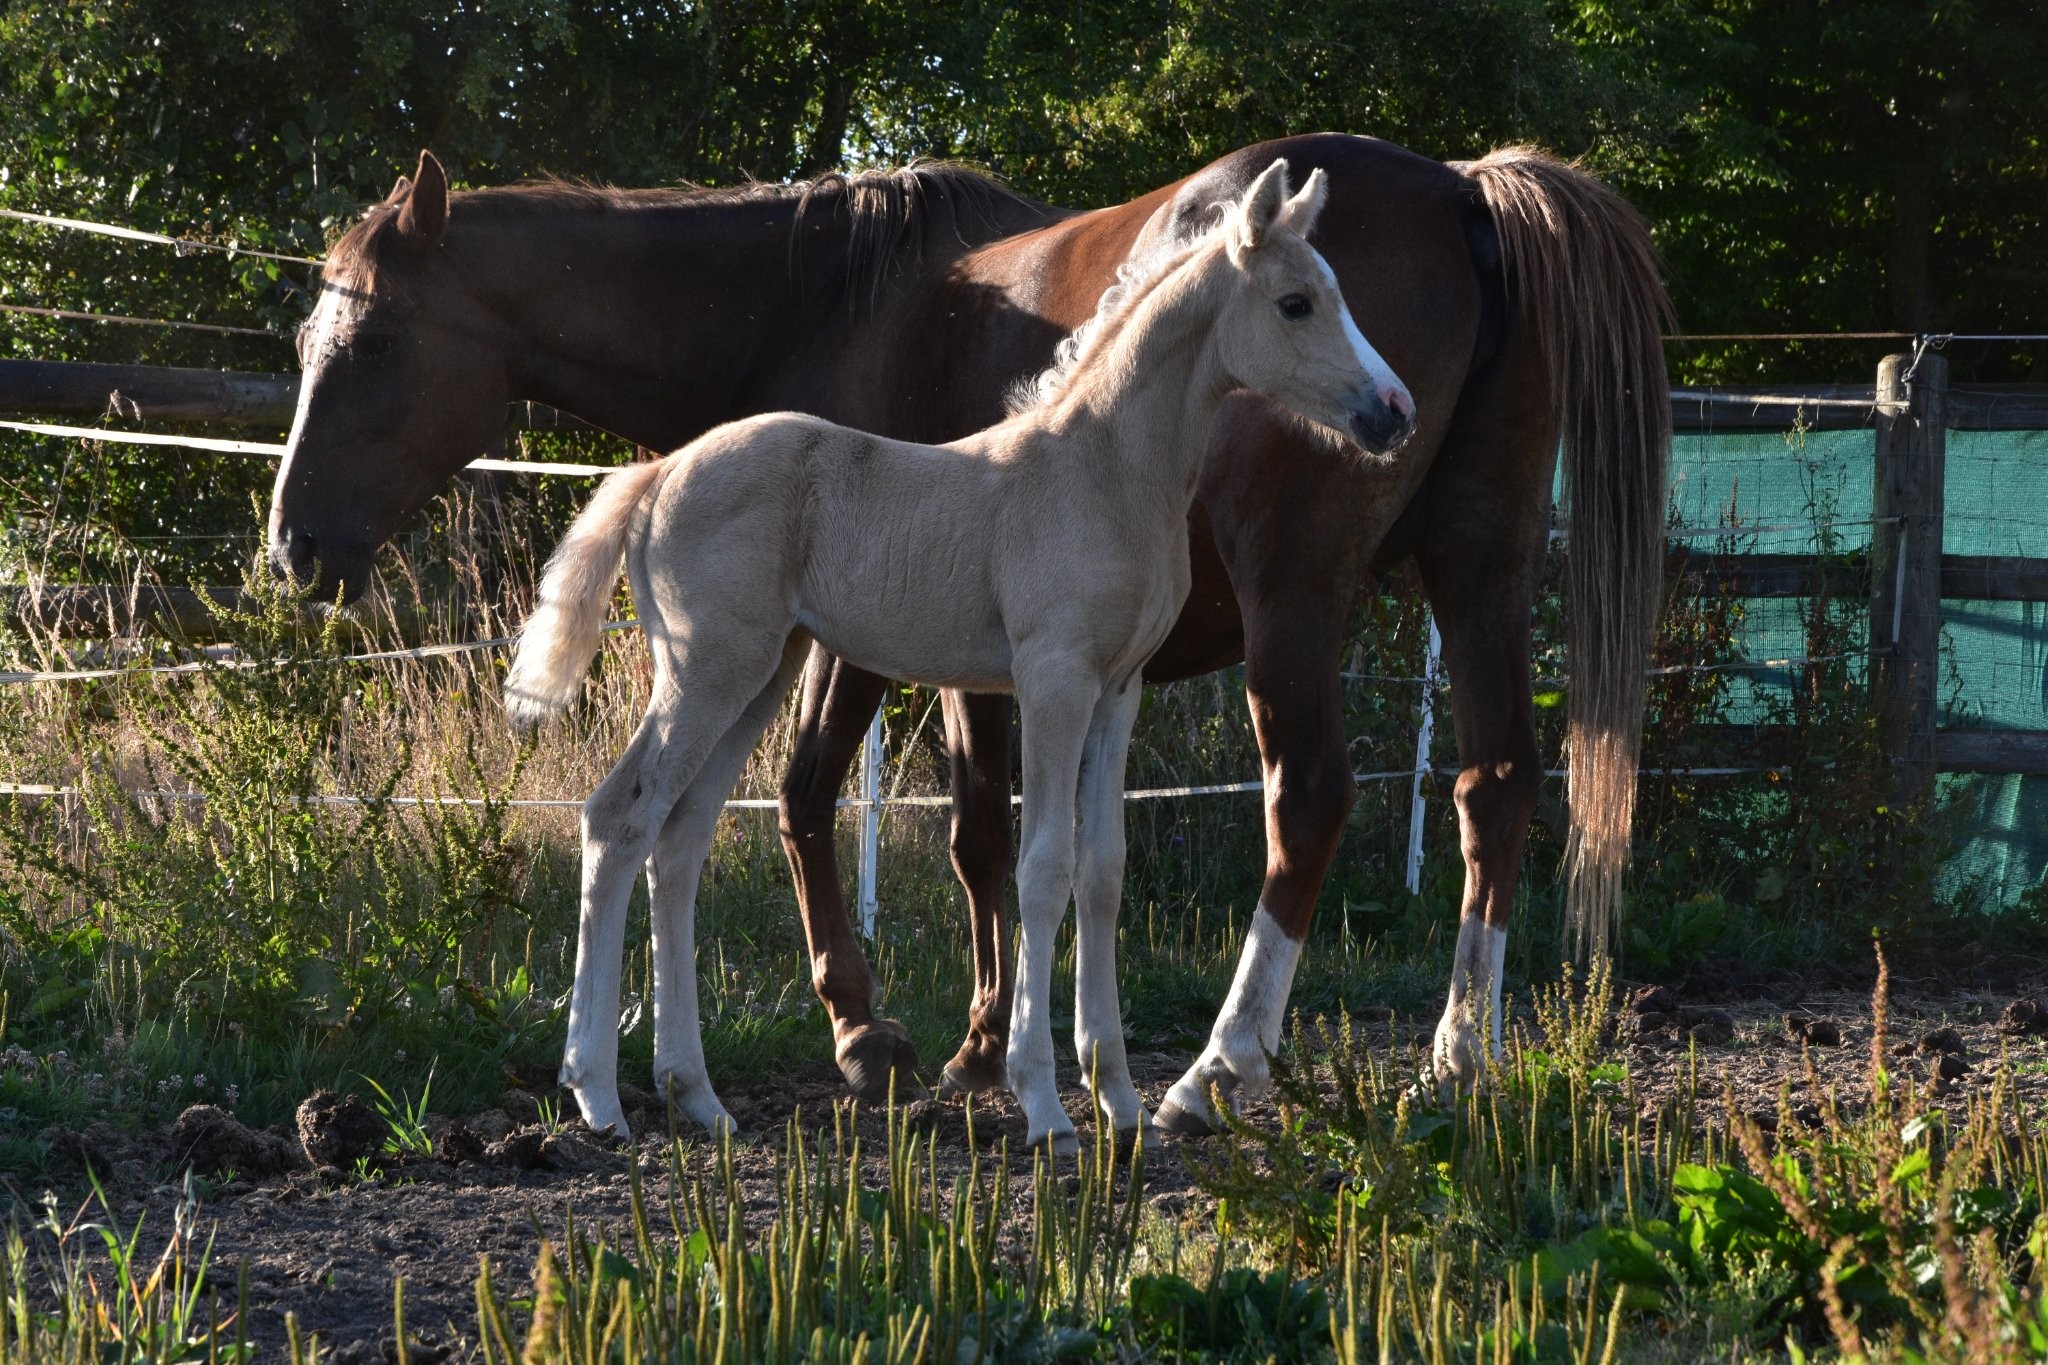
(1912,1166)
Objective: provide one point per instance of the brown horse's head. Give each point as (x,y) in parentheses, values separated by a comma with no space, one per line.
(404,382)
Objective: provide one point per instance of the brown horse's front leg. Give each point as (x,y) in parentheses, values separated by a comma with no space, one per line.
(838,702)
(1292,683)
(978,744)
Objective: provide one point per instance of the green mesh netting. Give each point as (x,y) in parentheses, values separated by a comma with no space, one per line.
(1995,653)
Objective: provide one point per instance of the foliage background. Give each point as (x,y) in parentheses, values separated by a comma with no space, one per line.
(1807,165)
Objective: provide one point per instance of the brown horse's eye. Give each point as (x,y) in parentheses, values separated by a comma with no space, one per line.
(369,347)
(1295,307)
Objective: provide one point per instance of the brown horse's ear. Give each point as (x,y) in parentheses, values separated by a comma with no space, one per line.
(423,214)
(1257,210)
(1299,213)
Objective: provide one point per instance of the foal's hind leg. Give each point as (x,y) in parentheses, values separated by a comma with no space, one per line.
(1098,892)
(620,822)
(673,873)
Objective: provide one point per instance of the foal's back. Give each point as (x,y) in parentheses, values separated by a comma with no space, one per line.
(885,551)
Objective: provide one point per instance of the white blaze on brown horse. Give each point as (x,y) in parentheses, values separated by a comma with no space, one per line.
(1516,296)
(1057,540)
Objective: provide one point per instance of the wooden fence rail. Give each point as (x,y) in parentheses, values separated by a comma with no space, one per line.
(164,394)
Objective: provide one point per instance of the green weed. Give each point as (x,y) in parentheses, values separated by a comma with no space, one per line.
(404,1118)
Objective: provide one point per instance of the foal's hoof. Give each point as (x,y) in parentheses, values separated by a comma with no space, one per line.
(871,1055)
(1179,1121)
(976,1067)
(1061,1143)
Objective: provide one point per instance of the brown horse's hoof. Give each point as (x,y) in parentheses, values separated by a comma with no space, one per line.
(1181,1123)
(871,1055)
(975,1067)
(1127,1140)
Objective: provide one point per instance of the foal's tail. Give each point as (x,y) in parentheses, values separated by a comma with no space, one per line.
(561,637)
(1582,270)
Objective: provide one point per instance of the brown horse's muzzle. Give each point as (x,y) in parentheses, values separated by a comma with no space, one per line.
(331,572)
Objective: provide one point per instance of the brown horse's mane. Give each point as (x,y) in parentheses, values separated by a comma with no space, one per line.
(884,208)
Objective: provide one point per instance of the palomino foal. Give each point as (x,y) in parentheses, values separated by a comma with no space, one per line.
(1047,556)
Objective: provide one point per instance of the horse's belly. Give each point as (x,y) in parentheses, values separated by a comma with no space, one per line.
(937,645)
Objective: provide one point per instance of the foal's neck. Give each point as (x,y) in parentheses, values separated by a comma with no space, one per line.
(1152,388)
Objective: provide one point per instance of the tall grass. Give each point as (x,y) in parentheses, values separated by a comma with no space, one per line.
(1552,1217)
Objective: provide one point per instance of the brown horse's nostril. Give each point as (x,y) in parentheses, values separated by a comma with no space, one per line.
(291,555)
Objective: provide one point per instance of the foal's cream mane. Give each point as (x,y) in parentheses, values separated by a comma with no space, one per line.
(1134,279)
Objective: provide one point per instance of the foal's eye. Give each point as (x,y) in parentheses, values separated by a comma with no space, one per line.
(1295,307)
(369,347)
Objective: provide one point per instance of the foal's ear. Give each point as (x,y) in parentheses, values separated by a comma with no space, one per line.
(423,215)
(1257,210)
(1299,213)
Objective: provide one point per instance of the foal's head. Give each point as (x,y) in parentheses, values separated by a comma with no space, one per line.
(1286,334)
(403,382)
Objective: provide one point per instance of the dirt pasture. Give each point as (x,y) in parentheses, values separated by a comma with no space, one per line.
(325,1241)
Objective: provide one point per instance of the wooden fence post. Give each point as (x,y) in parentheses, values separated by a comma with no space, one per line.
(1905,562)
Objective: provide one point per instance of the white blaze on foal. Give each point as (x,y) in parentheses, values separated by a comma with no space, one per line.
(1047,555)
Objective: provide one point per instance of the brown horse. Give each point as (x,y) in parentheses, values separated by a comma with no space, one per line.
(1517,297)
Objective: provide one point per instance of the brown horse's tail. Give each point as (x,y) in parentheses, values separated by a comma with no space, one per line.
(559,640)
(1582,269)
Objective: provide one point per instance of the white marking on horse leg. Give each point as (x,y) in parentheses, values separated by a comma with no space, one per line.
(1098,894)
(1055,728)
(1463,1048)
(1247,1031)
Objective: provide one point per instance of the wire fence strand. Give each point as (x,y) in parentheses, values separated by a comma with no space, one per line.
(137,235)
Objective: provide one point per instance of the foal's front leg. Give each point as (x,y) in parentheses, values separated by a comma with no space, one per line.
(1057,699)
(1098,893)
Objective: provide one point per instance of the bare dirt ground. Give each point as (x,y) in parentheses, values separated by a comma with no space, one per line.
(325,1245)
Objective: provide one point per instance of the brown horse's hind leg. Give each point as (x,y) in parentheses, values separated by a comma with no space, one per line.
(1486,656)
(978,744)
(1481,557)
(838,702)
